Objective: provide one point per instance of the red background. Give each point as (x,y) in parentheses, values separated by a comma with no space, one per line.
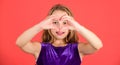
(100,16)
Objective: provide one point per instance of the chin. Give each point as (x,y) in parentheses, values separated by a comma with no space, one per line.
(60,38)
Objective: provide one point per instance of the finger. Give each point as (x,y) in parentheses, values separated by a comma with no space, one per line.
(48,27)
(53,27)
(62,16)
(51,18)
(67,17)
(71,28)
(70,20)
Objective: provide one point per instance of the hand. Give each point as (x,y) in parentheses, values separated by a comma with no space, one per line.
(48,22)
(72,24)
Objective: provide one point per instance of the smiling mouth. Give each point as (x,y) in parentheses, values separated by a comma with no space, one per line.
(60,33)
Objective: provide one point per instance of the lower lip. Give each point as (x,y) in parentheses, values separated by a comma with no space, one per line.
(60,34)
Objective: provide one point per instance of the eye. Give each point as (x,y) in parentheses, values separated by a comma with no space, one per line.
(65,22)
(55,22)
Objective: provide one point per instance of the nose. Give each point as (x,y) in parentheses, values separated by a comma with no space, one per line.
(60,26)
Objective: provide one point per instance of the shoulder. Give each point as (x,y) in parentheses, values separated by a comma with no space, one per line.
(73,46)
(80,44)
(40,48)
(37,46)
(44,44)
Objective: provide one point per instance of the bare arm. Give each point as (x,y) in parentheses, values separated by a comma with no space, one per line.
(93,42)
(92,39)
(24,40)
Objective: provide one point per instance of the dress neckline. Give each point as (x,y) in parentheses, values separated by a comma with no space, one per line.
(59,46)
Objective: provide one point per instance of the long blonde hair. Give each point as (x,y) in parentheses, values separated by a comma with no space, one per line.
(72,35)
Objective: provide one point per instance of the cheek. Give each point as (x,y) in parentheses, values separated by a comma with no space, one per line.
(53,32)
(66,33)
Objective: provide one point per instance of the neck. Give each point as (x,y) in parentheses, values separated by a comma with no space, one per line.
(59,42)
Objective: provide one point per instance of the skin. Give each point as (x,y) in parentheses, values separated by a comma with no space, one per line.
(56,22)
(61,26)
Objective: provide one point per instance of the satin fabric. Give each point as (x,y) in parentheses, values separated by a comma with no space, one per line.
(51,55)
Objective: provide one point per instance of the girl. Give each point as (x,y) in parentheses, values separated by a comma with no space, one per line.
(60,44)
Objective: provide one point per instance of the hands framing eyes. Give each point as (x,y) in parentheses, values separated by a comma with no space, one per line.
(53,21)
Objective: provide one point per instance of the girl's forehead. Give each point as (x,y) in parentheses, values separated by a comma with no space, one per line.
(59,13)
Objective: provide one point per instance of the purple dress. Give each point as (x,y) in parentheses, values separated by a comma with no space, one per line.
(51,55)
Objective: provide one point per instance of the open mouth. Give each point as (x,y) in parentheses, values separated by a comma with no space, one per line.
(60,33)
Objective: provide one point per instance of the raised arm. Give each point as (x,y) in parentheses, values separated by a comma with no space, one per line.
(93,44)
(24,40)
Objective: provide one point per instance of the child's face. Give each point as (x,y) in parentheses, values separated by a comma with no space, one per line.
(61,30)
